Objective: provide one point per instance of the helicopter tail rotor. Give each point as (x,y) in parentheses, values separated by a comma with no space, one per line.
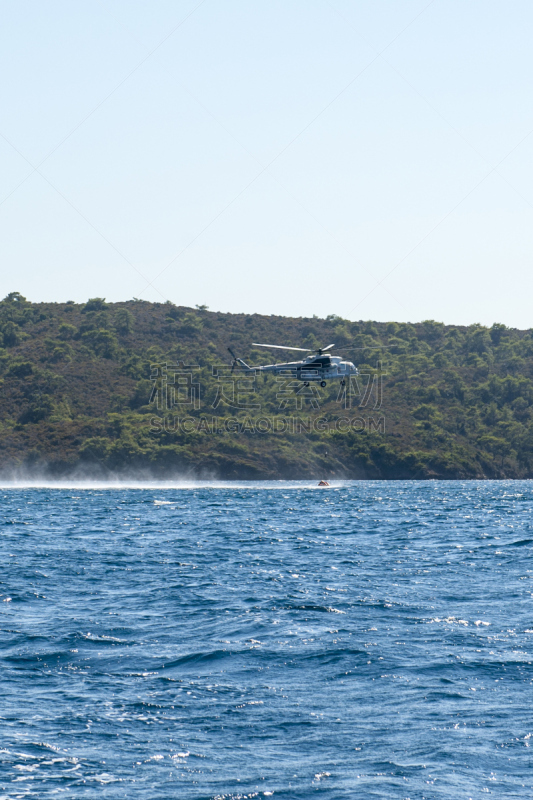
(238,362)
(235,360)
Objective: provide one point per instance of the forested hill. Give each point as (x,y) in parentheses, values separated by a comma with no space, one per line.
(144,388)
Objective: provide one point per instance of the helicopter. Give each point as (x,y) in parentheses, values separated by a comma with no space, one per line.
(319,365)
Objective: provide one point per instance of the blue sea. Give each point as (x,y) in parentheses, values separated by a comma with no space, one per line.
(267,639)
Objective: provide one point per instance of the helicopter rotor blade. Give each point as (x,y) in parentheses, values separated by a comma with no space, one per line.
(371,347)
(323,349)
(280,347)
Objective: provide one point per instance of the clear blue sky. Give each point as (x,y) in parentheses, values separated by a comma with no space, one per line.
(368,159)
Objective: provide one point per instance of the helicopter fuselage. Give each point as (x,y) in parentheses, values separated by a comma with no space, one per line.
(313,368)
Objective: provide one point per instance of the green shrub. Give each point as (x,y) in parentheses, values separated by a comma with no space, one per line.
(123,321)
(103,342)
(94,304)
(11,334)
(67,331)
(20,369)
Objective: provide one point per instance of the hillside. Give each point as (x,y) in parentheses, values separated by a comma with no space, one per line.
(85,389)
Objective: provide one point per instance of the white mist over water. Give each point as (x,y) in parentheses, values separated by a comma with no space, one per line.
(151,485)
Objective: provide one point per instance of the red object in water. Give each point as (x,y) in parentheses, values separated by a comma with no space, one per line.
(323,483)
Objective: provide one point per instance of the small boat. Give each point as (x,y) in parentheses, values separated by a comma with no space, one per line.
(323,483)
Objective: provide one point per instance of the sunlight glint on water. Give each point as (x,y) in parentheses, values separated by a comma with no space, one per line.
(267,639)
